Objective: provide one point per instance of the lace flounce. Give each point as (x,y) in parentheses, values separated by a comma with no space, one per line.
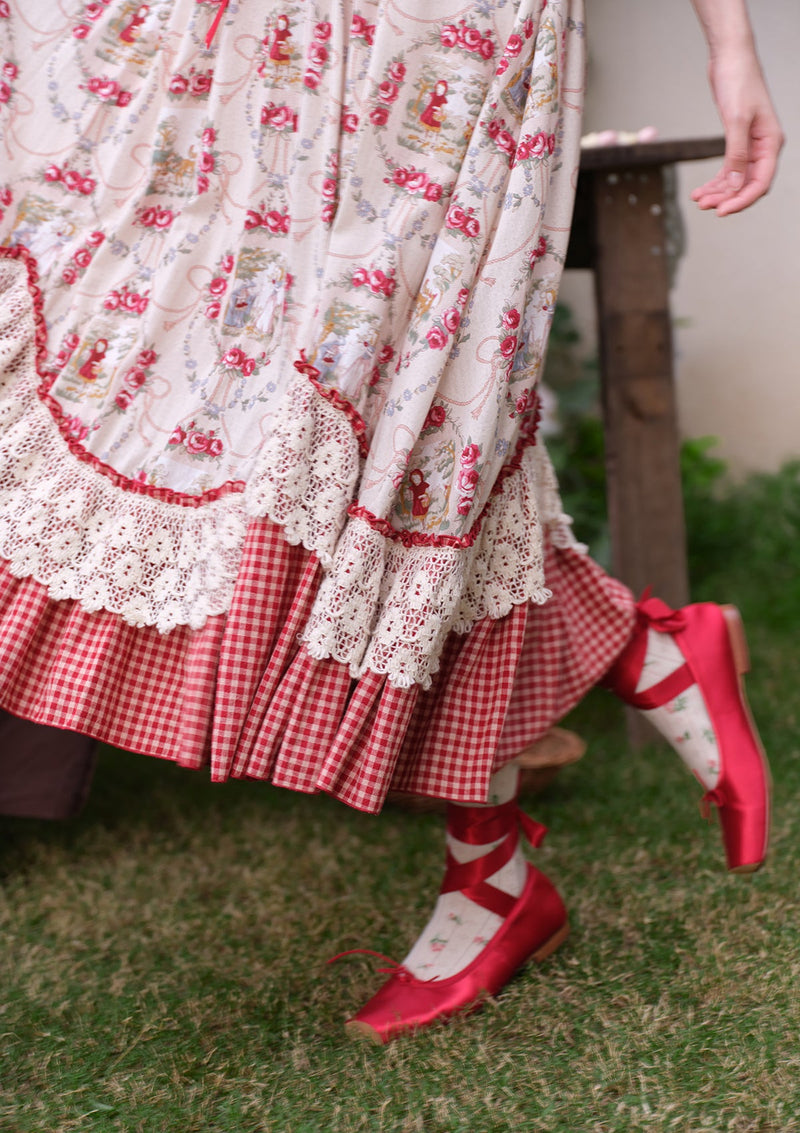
(382,606)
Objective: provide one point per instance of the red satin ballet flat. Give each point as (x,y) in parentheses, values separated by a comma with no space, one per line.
(535,925)
(712,641)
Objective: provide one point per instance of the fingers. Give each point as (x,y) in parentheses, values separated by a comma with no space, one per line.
(740,184)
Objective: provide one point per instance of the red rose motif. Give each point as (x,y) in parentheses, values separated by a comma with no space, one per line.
(388,91)
(551,143)
(123,399)
(206,163)
(233,357)
(82,258)
(200,84)
(177,437)
(397,72)
(248,367)
(471,38)
(214,446)
(448,37)
(71,341)
(349,122)
(129,301)
(317,55)
(135,378)
(494,127)
(52,173)
(417,181)
(203,183)
(502,66)
(69,275)
(471,227)
(527,28)
(511,318)
(400,176)
(451,318)
(322,31)
(104,88)
(87,186)
(80,31)
(95,239)
(227,263)
(196,443)
(147,357)
(539,251)
(464,505)
(253,219)
(505,142)
(5,11)
(311,79)
(508,346)
(93,10)
(463,295)
(359,277)
(178,84)
(328,212)
(386,354)
(111,301)
(486,49)
(329,188)
(437,338)
(379,116)
(212,310)
(455,217)
(514,45)
(208,137)
(72,180)
(164,218)
(10,70)
(468,479)
(470,455)
(433,192)
(538,144)
(436,417)
(6,197)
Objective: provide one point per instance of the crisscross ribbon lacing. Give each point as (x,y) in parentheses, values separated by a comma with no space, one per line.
(478,826)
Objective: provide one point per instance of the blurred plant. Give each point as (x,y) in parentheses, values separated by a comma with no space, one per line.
(750,528)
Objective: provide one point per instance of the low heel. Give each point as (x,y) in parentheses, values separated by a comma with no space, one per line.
(549,947)
(737,638)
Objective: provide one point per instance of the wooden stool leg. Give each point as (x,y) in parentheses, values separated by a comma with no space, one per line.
(645,499)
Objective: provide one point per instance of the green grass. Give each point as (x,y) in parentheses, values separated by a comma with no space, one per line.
(163,957)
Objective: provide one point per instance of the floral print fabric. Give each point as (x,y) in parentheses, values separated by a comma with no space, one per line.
(305,270)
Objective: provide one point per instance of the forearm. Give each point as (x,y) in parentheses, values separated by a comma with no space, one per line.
(726,25)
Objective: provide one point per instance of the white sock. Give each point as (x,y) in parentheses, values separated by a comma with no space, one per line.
(684,722)
(459,929)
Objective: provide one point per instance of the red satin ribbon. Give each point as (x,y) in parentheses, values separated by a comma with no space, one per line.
(212,31)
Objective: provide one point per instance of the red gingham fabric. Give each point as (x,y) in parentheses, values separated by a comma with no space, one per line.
(242,695)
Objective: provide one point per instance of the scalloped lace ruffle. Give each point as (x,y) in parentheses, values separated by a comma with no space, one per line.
(382,606)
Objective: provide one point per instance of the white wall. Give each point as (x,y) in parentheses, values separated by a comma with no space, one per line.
(737,297)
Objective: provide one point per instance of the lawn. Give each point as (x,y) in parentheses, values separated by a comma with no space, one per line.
(164,955)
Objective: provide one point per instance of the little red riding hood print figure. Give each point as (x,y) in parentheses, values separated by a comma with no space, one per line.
(90,370)
(433,114)
(130,33)
(279,51)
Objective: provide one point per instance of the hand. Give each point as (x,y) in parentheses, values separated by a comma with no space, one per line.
(753,137)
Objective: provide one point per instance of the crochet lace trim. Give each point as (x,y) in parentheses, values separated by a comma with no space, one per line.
(382,606)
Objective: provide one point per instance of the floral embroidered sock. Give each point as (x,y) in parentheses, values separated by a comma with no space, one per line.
(684,721)
(459,929)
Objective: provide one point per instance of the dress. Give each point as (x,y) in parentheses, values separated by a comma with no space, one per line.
(274,302)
